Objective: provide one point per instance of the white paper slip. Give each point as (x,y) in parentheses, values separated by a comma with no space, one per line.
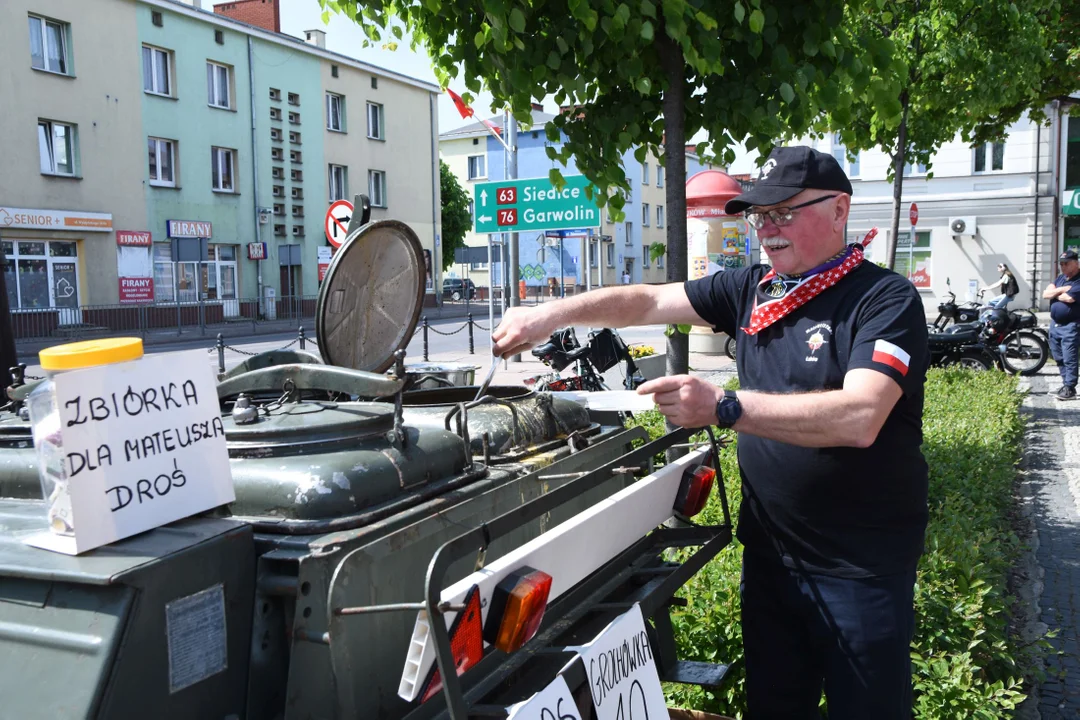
(617,400)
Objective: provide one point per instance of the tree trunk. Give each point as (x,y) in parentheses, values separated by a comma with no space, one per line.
(671,58)
(899,160)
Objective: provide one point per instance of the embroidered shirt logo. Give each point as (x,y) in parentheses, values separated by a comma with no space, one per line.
(817,339)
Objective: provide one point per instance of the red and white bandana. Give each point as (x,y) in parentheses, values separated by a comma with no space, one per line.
(809,286)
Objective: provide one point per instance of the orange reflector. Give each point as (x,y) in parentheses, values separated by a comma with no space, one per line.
(694,490)
(517,607)
(466,642)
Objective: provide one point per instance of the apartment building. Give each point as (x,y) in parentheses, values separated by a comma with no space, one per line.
(616,251)
(159,152)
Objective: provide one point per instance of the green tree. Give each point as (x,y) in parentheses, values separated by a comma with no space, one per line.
(973,67)
(456,219)
(644,75)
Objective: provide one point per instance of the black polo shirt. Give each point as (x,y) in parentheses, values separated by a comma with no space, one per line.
(1061,312)
(842,511)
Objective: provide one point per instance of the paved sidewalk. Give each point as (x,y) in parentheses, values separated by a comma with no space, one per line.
(1052,487)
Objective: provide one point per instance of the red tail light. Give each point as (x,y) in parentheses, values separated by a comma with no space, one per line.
(694,490)
(466,641)
(517,607)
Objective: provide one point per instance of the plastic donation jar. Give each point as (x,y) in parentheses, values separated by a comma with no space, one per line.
(45,416)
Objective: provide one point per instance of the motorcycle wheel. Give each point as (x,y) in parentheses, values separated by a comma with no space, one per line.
(729,347)
(972,360)
(1025,353)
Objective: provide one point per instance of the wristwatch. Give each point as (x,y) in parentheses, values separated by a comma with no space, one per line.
(728,410)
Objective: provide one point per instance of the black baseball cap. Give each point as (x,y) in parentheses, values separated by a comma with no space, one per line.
(1069,254)
(789,171)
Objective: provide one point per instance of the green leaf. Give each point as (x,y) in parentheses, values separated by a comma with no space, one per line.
(707,22)
(787,93)
(740,12)
(644,85)
(326,17)
(647,31)
(648,9)
(757,21)
(553,60)
(517,20)
(684,329)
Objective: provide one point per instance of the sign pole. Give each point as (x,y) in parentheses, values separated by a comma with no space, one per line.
(8,357)
(562,268)
(491,297)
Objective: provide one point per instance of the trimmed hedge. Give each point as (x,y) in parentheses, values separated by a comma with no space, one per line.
(964,661)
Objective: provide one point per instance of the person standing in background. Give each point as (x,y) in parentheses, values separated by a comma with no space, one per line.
(1063,294)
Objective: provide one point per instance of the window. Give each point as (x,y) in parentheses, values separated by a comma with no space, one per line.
(335,112)
(277,155)
(294,99)
(659,216)
(275,134)
(294,118)
(610,249)
(157,70)
(477,167)
(920,169)
(217,86)
(374,83)
(996,151)
(851,167)
(644,214)
(298,231)
(472,211)
(375,121)
(56,147)
(593,255)
(279,230)
(275,114)
(219,37)
(279,191)
(42,274)
(913,261)
(275,94)
(279,208)
(376,180)
(660,262)
(294,138)
(48,45)
(296,175)
(222,161)
(645,173)
(629,232)
(278,173)
(338,188)
(645,256)
(298,211)
(162,154)
(659,175)
(296,156)
(298,193)
(333,71)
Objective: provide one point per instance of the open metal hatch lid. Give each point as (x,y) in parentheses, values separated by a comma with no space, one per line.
(371,296)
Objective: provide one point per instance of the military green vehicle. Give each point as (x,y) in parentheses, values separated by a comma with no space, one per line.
(358,501)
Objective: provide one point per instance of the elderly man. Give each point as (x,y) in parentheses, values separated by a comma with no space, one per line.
(1065,321)
(832,356)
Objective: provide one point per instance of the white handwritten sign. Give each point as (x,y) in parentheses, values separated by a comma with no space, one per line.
(622,671)
(143,445)
(552,703)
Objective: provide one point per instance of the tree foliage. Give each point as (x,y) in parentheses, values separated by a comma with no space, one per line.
(456,218)
(641,75)
(973,67)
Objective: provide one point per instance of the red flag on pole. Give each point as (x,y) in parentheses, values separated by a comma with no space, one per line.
(464,110)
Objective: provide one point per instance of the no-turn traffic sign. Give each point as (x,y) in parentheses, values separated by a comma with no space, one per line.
(337,222)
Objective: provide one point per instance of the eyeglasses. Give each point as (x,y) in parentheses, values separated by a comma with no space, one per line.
(781,216)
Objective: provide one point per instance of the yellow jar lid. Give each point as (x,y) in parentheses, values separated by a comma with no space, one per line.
(90,353)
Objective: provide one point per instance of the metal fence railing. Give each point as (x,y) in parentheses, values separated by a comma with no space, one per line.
(88,321)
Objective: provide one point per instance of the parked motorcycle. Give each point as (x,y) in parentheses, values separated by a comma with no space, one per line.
(964,347)
(1020,348)
(604,350)
(949,311)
